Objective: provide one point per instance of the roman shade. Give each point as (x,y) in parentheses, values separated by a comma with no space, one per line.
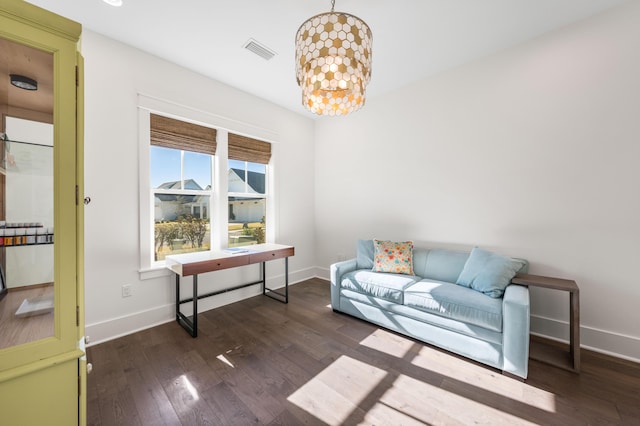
(248,149)
(171,133)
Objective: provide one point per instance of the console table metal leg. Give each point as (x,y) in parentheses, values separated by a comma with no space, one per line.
(195,306)
(284,298)
(264,278)
(177,297)
(190,325)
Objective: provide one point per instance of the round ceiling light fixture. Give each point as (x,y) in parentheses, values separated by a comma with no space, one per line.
(23,82)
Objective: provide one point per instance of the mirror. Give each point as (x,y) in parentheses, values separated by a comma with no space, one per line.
(26,195)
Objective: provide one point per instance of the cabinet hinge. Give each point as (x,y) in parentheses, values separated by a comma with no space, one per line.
(77,316)
(77,195)
(77,76)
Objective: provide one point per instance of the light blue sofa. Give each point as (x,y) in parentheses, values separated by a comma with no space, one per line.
(431,307)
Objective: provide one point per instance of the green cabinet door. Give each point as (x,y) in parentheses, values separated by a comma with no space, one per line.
(41,287)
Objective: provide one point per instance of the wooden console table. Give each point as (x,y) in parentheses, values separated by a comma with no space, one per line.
(192,264)
(560,359)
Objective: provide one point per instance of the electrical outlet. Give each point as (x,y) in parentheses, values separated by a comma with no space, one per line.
(126,290)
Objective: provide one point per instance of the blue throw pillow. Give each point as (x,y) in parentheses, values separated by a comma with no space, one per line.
(488,272)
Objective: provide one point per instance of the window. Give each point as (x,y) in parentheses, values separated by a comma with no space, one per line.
(247,190)
(202,187)
(181,164)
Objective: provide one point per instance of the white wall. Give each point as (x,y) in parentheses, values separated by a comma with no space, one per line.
(532,152)
(114,75)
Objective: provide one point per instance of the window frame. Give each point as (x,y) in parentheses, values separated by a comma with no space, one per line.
(181,191)
(218,213)
(253,195)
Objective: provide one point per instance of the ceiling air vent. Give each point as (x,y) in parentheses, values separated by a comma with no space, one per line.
(259,49)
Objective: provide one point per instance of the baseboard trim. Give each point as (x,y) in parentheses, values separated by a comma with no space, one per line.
(104,331)
(114,328)
(626,347)
(324,273)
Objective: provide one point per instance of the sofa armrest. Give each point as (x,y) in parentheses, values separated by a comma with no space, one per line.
(515,330)
(337,271)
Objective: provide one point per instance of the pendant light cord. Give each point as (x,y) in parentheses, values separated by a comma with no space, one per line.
(333,4)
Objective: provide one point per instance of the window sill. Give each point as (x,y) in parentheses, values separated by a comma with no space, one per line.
(154,272)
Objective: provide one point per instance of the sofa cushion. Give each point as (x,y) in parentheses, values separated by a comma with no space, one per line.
(364,254)
(385,286)
(488,272)
(456,302)
(450,324)
(439,264)
(393,257)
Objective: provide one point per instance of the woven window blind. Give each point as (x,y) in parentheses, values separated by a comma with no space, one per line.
(171,133)
(247,149)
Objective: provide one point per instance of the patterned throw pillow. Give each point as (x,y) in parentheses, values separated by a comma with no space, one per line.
(393,257)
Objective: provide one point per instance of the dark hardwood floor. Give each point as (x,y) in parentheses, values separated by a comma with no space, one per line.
(262,362)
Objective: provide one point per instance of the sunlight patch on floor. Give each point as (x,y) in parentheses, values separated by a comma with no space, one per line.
(186,383)
(224,359)
(350,391)
(329,394)
(435,405)
(388,343)
(383,414)
(322,402)
(469,374)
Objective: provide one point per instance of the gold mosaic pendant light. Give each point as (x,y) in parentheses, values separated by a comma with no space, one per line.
(333,62)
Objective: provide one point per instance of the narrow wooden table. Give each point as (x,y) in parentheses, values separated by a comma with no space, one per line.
(192,264)
(547,355)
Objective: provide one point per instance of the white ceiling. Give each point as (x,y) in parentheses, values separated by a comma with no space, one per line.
(412,39)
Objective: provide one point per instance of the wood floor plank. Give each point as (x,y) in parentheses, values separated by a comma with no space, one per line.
(264,406)
(228,407)
(118,409)
(188,403)
(151,401)
(259,361)
(197,370)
